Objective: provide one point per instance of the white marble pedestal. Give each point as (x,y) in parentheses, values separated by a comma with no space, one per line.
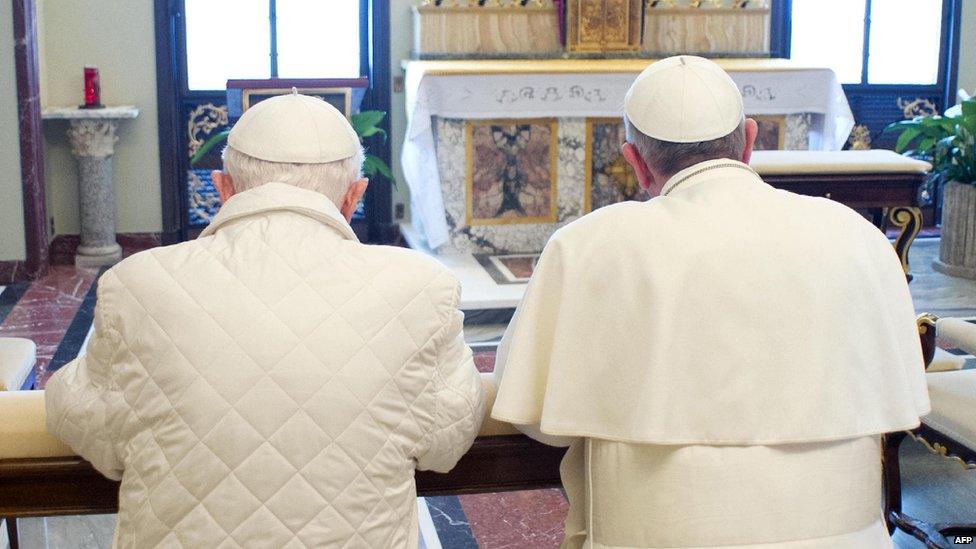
(92,135)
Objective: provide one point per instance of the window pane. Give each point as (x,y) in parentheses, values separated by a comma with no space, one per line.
(830,33)
(318,39)
(227,39)
(905,40)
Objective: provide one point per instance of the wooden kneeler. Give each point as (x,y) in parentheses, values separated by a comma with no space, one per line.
(60,483)
(34,487)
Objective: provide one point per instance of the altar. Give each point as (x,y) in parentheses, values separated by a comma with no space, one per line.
(877,181)
(555,126)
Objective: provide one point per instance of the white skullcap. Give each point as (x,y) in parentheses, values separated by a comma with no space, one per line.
(294,128)
(684,99)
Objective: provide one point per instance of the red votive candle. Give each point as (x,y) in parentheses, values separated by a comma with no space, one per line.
(93,90)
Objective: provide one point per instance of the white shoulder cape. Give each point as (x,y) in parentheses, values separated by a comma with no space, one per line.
(725,313)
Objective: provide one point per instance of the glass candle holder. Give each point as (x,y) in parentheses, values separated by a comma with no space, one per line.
(93,89)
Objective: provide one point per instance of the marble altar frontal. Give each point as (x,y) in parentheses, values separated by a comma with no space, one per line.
(500,154)
(521,179)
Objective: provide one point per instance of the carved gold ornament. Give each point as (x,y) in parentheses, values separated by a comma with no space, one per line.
(860,139)
(925,322)
(707,4)
(909,221)
(939,449)
(917,107)
(203,120)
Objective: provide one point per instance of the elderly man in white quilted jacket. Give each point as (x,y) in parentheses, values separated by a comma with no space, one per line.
(274,383)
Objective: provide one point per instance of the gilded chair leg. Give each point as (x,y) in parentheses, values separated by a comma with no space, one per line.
(909,220)
(891,476)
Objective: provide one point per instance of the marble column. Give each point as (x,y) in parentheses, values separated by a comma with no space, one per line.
(93,144)
(93,136)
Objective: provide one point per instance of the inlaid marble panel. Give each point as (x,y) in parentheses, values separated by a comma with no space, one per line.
(528,235)
(798,128)
(609,179)
(511,171)
(772,133)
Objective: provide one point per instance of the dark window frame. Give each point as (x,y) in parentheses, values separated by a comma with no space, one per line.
(876,105)
(944,88)
(172,91)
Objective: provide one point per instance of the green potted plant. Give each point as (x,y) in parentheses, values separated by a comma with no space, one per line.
(366,124)
(949,143)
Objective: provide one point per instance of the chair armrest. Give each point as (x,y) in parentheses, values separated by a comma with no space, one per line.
(23,433)
(925,323)
(958,333)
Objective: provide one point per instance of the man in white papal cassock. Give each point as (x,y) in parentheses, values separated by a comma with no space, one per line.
(722,359)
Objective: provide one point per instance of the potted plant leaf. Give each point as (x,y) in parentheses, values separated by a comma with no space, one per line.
(949,143)
(365,123)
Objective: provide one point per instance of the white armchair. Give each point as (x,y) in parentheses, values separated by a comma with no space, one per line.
(953,393)
(949,430)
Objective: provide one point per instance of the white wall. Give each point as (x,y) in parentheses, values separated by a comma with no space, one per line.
(11,198)
(401,36)
(118,38)
(967,47)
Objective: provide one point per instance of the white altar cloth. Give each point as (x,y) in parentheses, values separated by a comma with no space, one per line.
(582,88)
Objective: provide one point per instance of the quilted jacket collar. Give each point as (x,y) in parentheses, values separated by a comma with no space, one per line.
(272,197)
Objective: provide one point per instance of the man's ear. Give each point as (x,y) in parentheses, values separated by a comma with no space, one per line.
(351,201)
(644,176)
(752,131)
(223,183)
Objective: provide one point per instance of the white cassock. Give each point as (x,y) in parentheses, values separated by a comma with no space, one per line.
(722,360)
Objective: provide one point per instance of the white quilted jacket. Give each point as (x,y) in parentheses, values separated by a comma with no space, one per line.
(274,383)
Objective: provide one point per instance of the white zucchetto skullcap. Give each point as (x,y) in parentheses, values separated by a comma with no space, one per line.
(684,99)
(294,128)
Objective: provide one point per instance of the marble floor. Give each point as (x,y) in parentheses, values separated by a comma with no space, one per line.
(56,312)
(935,292)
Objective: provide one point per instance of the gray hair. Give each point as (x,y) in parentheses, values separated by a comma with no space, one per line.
(668,158)
(331,178)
